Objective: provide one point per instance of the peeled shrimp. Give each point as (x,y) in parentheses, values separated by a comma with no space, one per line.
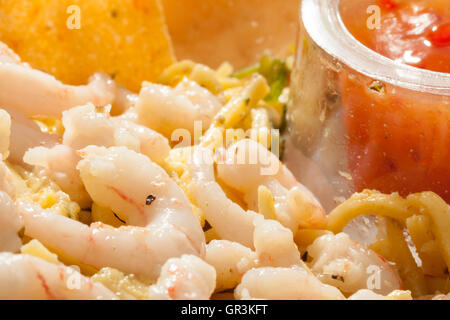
(34,92)
(275,266)
(7,180)
(84,126)
(136,250)
(441,297)
(7,55)
(10,225)
(165,109)
(124,101)
(231,261)
(25,277)
(185,278)
(142,194)
(228,219)
(275,244)
(247,165)
(274,247)
(26,134)
(129,115)
(139,192)
(350,266)
(366,294)
(293,283)
(6,176)
(59,163)
(5,133)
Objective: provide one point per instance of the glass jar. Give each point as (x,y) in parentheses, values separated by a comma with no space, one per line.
(358,120)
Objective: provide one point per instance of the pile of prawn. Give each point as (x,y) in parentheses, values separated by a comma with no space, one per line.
(171,222)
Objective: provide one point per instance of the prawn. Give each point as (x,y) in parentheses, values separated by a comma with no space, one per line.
(124,101)
(139,191)
(25,134)
(366,294)
(165,109)
(135,250)
(274,243)
(441,297)
(274,247)
(34,92)
(294,283)
(228,219)
(5,133)
(10,225)
(7,55)
(185,278)
(231,261)
(25,277)
(248,165)
(350,266)
(84,126)
(59,163)
(7,180)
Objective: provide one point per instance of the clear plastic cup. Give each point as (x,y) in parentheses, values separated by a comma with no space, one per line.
(358,120)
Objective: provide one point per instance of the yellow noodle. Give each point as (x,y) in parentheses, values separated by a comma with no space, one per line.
(393,246)
(368,203)
(420,230)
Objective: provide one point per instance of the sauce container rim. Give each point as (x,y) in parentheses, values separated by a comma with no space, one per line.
(322,21)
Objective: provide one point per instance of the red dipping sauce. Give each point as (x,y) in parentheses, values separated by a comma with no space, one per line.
(413,32)
(398,142)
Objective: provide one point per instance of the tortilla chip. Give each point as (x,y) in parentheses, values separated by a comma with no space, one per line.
(127,39)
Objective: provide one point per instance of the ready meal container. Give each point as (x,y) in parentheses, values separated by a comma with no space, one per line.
(367,121)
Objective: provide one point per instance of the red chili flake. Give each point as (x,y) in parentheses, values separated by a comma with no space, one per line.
(441,36)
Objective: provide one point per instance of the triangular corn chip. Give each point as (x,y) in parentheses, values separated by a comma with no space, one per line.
(72,39)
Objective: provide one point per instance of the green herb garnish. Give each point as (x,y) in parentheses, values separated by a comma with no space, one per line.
(244,73)
(276,73)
